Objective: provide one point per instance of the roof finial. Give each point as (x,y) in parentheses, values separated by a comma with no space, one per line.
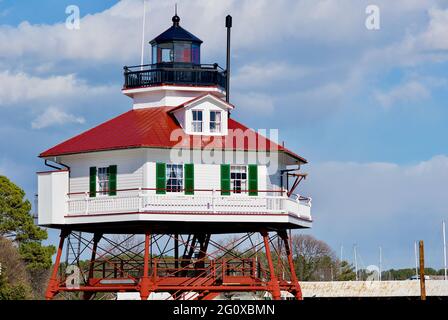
(176,18)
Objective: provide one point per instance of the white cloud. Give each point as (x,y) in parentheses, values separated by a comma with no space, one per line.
(254,103)
(435,37)
(409,92)
(262,75)
(53,116)
(425,43)
(24,88)
(114,34)
(380,204)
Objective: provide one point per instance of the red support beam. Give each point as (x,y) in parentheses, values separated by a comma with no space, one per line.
(96,239)
(294,280)
(225,270)
(275,288)
(145,282)
(53,283)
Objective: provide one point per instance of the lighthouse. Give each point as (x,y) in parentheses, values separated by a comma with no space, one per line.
(179,173)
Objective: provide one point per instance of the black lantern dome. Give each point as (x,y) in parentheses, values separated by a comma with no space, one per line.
(176,46)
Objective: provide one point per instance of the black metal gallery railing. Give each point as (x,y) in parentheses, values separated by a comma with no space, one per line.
(154,74)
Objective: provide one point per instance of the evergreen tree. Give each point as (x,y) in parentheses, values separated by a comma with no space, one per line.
(17,224)
(346,272)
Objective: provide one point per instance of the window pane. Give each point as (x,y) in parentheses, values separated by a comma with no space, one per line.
(197,120)
(174,177)
(182,52)
(166,55)
(238,175)
(154,54)
(215,121)
(195,53)
(103,180)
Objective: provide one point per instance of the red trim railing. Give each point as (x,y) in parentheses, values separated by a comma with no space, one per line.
(180,190)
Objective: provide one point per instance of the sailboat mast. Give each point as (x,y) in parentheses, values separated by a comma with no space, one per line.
(416,259)
(380,266)
(444,248)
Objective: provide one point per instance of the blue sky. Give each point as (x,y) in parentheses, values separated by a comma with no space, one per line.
(366,108)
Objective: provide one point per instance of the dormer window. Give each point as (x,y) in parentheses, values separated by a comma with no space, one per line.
(215,121)
(196,124)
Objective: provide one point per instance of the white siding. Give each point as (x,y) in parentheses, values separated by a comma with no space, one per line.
(52,191)
(207,176)
(129,163)
(170,96)
(137,168)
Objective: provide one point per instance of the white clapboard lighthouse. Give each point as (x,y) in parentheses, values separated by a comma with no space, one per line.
(180,171)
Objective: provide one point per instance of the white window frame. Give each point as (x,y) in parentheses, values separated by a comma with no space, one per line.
(243,183)
(217,124)
(199,123)
(102,181)
(179,177)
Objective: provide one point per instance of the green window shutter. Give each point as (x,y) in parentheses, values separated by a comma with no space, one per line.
(225,179)
(113,180)
(160,178)
(92,182)
(253,180)
(189,178)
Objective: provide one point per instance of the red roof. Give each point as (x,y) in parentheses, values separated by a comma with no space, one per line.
(152,127)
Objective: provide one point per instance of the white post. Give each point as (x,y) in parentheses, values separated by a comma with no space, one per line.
(213,200)
(143,35)
(380,266)
(444,248)
(356,262)
(140,199)
(87,202)
(416,259)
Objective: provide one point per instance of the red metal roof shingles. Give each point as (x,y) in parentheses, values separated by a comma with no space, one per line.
(153,127)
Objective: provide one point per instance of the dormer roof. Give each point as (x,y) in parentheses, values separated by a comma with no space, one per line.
(226,105)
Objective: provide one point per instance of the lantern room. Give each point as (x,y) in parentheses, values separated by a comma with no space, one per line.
(176,46)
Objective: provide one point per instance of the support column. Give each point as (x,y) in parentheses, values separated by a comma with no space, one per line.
(176,253)
(53,283)
(295,281)
(275,288)
(96,238)
(145,282)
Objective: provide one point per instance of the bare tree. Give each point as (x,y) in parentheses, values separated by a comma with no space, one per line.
(128,243)
(314,259)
